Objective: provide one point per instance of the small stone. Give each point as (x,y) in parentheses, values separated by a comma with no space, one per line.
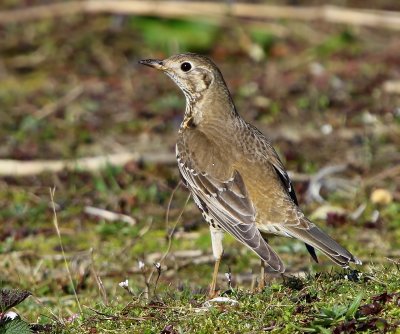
(381,196)
(323,211)
(326,129)
(220,300)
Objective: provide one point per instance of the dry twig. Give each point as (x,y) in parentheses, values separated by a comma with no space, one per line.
(391,86)
(55,222)
(170,233)
(215,10)
(388,173)
(51,108)
(99,282)
(320,179)
(109,215)
(9,167)
(118,317)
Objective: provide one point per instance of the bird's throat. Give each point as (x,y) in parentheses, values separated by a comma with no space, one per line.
(211,108)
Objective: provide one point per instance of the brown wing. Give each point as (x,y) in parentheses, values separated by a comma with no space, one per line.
(219,190)
(287,184)
(279,212)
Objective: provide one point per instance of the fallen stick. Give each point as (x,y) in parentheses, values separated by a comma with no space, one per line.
(391,87)
(216,10)
(109,215)
(10,167)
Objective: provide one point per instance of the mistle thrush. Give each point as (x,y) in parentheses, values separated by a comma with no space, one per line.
(232,171)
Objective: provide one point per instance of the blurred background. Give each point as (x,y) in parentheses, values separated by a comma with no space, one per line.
(78,114)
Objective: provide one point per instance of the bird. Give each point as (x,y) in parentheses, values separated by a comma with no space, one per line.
(233,173)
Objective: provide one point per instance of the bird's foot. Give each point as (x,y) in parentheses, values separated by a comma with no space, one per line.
(261,284)
(213,292)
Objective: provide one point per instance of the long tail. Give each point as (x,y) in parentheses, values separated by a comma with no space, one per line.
(317,238)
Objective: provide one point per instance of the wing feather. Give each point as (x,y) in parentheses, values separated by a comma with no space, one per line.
(272,157)
(228,203)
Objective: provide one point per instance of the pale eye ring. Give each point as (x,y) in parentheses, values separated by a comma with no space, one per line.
(185,67)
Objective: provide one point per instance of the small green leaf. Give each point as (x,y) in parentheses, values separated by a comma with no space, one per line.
(351,311)
(323,330)
(15,326)
(187,34)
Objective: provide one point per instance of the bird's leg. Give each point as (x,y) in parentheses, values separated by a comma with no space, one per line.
(216,241)
(261,283)
(213,285)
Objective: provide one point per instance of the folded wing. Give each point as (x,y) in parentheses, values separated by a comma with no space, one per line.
(225,199)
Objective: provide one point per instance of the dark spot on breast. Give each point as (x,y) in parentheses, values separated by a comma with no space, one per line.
(190,123)
(207,79)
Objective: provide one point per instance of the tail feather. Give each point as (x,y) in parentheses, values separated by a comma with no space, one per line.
(324,243)
(311,250)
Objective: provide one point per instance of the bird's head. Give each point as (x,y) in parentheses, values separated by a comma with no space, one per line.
(194,74)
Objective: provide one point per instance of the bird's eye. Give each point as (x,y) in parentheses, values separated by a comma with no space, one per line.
(185,67)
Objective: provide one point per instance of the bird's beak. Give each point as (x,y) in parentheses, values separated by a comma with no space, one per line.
(157,64)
